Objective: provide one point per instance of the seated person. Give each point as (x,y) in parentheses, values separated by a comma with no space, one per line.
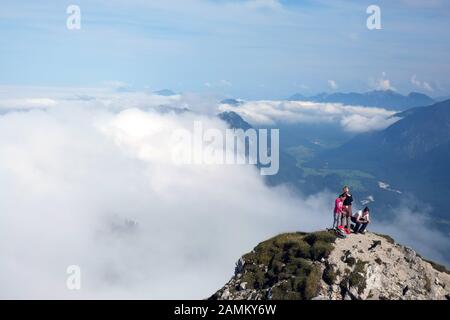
(361,220)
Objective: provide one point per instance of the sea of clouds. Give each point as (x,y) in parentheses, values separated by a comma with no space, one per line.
(87,179)
(356,119)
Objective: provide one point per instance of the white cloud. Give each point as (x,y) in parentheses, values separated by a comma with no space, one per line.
(27,103)
(74,175)
(116,84)
(362,123)
(12,98)
(421,84)
(351,118)
(332,84)
(382,83)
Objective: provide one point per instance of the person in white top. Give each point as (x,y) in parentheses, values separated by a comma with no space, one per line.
(361,220)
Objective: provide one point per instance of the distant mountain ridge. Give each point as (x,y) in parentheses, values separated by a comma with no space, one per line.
(413,154)
(165,93)
(377,98)
(232,102)
(419,132)
(234,120)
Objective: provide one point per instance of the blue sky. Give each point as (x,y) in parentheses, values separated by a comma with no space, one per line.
(247,49)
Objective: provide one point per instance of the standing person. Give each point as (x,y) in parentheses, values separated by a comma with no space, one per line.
(361,220)
(338,211)
(346,217)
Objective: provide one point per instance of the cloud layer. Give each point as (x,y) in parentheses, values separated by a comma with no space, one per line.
(351,118)
(91,182)
(73,177)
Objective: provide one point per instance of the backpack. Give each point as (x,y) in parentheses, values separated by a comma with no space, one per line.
(340,233)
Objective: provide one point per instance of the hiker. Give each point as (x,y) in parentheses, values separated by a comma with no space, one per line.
(338,211)
(347,215)
(361,220)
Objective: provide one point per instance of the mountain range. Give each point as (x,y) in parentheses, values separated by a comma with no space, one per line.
(413,154)
(377,98)
(165,93)
(404,163)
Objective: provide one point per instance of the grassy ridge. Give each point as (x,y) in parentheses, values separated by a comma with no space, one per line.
(287,261)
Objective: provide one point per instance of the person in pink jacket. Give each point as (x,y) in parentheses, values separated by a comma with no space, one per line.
(338,210)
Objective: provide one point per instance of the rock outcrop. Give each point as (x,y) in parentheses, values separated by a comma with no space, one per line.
(322,267)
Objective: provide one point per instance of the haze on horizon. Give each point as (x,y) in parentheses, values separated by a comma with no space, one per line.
(253,49)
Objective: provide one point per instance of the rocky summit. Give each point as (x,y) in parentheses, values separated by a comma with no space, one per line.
(320,266)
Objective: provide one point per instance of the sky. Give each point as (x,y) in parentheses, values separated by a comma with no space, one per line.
(251,49)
